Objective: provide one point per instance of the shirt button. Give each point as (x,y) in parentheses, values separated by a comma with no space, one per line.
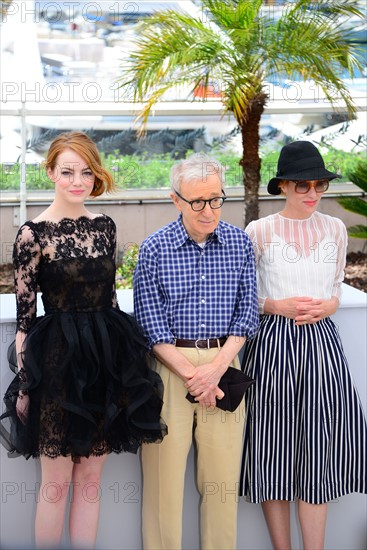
(203,301)
(203,276)
(202,325)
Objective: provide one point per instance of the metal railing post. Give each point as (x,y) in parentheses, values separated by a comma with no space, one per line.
(23,168)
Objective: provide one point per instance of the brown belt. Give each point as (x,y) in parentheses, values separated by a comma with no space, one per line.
(206,343)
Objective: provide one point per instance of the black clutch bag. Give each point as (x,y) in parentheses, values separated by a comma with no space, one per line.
(234,384)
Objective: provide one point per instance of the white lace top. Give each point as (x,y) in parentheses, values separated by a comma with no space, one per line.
(299,257)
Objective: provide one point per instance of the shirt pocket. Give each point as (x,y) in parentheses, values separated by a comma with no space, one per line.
(228,278)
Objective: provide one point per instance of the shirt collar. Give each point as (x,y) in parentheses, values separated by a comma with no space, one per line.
(181,235)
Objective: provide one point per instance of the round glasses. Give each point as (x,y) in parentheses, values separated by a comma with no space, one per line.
(303,187)
(199,204)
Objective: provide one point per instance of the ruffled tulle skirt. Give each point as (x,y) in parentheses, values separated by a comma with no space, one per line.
(91,387)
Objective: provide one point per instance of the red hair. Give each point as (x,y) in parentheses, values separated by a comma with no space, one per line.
(81,144)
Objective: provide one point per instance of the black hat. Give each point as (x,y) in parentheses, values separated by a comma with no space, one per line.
(299,160)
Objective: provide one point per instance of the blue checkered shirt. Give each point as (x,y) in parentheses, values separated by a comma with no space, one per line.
(184,291)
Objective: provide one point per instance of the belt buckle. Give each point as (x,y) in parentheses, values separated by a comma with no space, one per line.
(202,340)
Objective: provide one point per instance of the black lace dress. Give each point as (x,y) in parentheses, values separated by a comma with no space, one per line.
(87,369)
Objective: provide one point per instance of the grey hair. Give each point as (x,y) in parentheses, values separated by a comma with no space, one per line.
(196,167)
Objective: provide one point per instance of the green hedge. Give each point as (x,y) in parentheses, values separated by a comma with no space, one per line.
(132,172)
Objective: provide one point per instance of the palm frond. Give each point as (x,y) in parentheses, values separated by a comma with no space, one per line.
(358,231)
(354,204)
(359,175)
(186,142)
(41,142)
(222,141)
(117,142)
(232,14)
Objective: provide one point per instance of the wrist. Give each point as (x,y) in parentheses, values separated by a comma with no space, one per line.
(270,306)
(220,364)
(333,305)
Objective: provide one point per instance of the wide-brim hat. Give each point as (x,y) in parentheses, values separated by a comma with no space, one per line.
(299,160)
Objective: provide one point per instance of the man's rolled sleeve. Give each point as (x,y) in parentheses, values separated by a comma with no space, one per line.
(148,305)
(245,320)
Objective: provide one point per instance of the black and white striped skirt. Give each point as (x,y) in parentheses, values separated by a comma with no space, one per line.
(305,431)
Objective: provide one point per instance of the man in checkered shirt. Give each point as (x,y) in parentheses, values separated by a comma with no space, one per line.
(195,297)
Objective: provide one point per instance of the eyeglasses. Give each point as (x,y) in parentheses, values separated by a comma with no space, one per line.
(199,204)
(303,187)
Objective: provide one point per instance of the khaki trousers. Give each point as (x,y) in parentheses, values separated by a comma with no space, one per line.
(218,436)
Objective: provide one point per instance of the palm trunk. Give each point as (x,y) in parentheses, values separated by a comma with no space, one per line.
(250,161)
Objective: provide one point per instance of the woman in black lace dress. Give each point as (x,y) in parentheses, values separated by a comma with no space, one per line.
(84,387)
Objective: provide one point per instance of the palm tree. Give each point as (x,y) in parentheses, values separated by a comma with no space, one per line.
(239,45)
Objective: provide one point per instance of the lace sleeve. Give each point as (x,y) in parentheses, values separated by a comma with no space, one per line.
(26,260)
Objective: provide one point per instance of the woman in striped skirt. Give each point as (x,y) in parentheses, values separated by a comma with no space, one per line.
(305,432)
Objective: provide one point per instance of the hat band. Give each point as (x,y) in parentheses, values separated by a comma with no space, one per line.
(301,165)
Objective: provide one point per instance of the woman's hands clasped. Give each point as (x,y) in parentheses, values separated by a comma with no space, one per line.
(304,310)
